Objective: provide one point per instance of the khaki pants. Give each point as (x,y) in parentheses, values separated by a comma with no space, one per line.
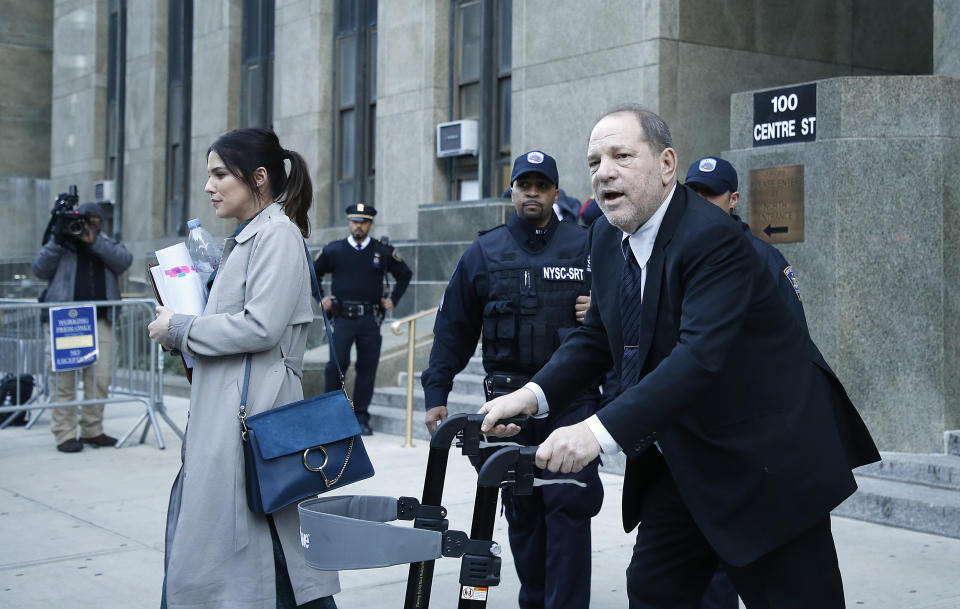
(63,421)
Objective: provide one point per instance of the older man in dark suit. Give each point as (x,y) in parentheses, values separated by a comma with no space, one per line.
(739,437)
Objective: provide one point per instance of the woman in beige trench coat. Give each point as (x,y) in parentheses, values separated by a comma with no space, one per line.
(218,553)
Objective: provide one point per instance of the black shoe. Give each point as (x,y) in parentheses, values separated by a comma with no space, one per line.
(365,430)
(101,440)
(72,445)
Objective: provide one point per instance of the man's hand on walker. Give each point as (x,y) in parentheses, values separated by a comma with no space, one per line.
(521,401)
(568,449)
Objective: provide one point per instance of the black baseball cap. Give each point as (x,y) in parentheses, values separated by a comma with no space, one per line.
(535,161)
(716,174)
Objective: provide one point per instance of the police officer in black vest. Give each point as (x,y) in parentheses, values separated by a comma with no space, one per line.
(517,286)
(358,303)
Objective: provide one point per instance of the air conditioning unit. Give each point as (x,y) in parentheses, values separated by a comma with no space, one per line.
(105,191)
(457,138)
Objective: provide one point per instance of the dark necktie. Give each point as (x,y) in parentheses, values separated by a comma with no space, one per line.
(631,282)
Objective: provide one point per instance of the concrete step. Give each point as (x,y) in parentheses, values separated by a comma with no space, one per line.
(392,419)
(942,471)
(475,366)
(396,397)
(918,507)
(951,440)
(463,383)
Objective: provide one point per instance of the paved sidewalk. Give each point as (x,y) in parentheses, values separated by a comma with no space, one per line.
(86,530)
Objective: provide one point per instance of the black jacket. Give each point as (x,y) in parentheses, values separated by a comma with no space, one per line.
(754,426)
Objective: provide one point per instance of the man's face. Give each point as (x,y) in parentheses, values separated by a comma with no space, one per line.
(360,229)
(534,195)
(629,180)
(727,201)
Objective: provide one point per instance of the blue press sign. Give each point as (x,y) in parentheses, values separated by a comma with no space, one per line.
(73,336)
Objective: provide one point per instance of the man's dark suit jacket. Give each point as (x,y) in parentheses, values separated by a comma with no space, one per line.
(755,428)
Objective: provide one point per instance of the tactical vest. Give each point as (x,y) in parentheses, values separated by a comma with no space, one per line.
(532,295)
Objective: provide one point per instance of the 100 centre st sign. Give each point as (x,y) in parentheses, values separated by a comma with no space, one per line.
(784,116)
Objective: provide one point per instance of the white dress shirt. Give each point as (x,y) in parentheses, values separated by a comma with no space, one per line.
(641,243)
(358,246)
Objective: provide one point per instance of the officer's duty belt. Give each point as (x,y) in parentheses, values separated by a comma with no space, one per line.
(352,310)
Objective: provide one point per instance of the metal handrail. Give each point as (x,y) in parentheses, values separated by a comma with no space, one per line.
(396,327)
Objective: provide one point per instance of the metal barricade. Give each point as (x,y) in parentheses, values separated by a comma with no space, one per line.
(133,362)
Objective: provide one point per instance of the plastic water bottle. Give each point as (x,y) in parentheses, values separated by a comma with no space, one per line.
(204,250)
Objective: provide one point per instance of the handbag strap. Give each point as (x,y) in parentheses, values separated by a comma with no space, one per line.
(243,397)
(315,289)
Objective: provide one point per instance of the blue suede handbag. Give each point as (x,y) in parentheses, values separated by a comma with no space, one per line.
(304,448)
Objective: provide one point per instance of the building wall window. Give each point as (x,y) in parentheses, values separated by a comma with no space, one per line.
(256,108)
(179,85)
(482,64)
(116,93)
(355,100)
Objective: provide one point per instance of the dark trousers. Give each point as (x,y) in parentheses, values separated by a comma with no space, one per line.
(720,593)
(673,563)
(365,332)
(550,530)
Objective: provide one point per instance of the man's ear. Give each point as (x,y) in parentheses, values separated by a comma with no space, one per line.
(734,199)
(668,165)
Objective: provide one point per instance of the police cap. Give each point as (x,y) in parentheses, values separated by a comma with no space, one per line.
(360,212)
(535,162)
(716,174)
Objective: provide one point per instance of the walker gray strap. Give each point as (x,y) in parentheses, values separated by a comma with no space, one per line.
(350,532)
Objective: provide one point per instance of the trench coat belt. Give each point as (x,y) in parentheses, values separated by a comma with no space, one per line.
(295,364)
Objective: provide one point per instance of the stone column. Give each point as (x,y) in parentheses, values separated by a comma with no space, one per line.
(146,119)
(25,77)
(302,83)
(216,95)
(413,69)
(877,265)
(77,134)
(614,53)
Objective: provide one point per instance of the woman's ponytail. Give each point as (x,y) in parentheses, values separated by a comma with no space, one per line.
(298,195)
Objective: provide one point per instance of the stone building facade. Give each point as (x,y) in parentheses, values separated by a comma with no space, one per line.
(132,92)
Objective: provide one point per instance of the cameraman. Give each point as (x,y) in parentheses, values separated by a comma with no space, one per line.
(82,264)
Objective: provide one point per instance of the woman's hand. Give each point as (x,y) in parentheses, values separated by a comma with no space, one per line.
(159,328)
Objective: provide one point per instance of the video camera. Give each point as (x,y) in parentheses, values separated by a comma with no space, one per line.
(65,220)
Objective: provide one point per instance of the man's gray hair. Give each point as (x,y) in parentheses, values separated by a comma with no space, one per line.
(655,130)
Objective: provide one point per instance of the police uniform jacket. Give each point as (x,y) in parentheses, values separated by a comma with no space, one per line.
(754,426)
(555,279)
(358,274)
(779,267)
(220,554)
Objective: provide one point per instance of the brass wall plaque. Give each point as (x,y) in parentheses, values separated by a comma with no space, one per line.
(776,203)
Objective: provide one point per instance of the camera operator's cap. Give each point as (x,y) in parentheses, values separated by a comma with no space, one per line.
(90,209)
(716,174)
(360,212)
(535,162)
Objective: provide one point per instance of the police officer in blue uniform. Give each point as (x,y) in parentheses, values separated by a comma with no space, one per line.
(715,180)
(357,303)
(517,286)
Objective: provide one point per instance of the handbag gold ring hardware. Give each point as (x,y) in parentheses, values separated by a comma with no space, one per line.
(326,458)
